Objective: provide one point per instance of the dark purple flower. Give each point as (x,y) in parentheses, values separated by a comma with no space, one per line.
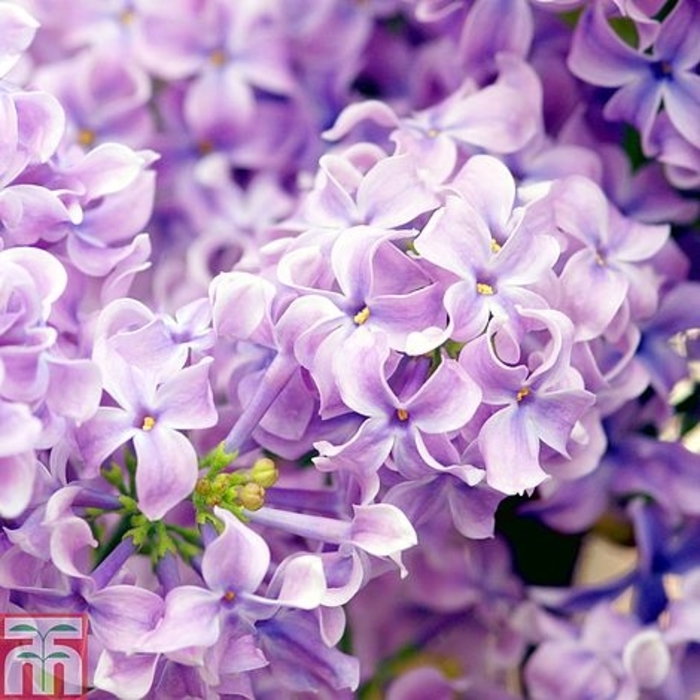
(646,80)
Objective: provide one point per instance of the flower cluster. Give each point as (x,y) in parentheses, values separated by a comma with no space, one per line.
(334,335)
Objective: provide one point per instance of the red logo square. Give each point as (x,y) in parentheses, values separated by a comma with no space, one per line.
(43,656)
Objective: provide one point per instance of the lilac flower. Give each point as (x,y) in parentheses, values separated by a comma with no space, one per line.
(591,657)
(104,98)
(381,289)
(540,400)
(391,193)
(150,411)
(489,249)
(645,81)
(610,256)
(299,659)
(233,568)
(396,422)
(493,118)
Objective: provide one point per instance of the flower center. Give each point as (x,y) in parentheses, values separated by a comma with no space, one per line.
(495,246)
(218,57)
(485,289)
(361,316)
(228,597)
(148,423)
(86,137)
(522,393)
(402,414)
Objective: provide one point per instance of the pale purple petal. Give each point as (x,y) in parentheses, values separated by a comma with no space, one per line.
(69,540)
(237,560)
(186,400)
(361,456)
(510,449)
(637,103)
(107,430)
(129,677)
(554,415)
(682,102)
(478,42)
(456,238)
(120,615)
(166,470)
(17,474)
(590,313)
(393,193)
(504,116)
(83,377)
(19,429)
(303,583)
(240,303)
(414,322)
(48,274)
(381,529)
(581,210)
(373,110)
(420,683)
(41,121)
(108,168)
(18,29)
(473,509)
(599,56)
(359,372)
(487,184)
(191,618)
(446,401)
(647,659)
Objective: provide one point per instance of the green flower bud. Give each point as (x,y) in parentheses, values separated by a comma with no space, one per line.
(264,472)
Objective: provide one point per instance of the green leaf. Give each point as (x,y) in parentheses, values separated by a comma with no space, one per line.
(63,627)
(23,628)
(28,655)
(58,655)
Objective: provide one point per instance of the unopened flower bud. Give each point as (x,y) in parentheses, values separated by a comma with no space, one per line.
(264,472)
(251,496)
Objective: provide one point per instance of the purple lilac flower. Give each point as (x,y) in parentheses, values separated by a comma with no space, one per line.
(150,411)
(646,81)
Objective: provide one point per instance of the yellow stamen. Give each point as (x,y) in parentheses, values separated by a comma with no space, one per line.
(228,596)
(522,393)
(485,289)
(495,246)
(148,423)
(86,137)
(205,147)
(218,57)
(433,133)
(361,316)
(402,414)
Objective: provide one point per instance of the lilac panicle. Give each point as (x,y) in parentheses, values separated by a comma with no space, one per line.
(266,343)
